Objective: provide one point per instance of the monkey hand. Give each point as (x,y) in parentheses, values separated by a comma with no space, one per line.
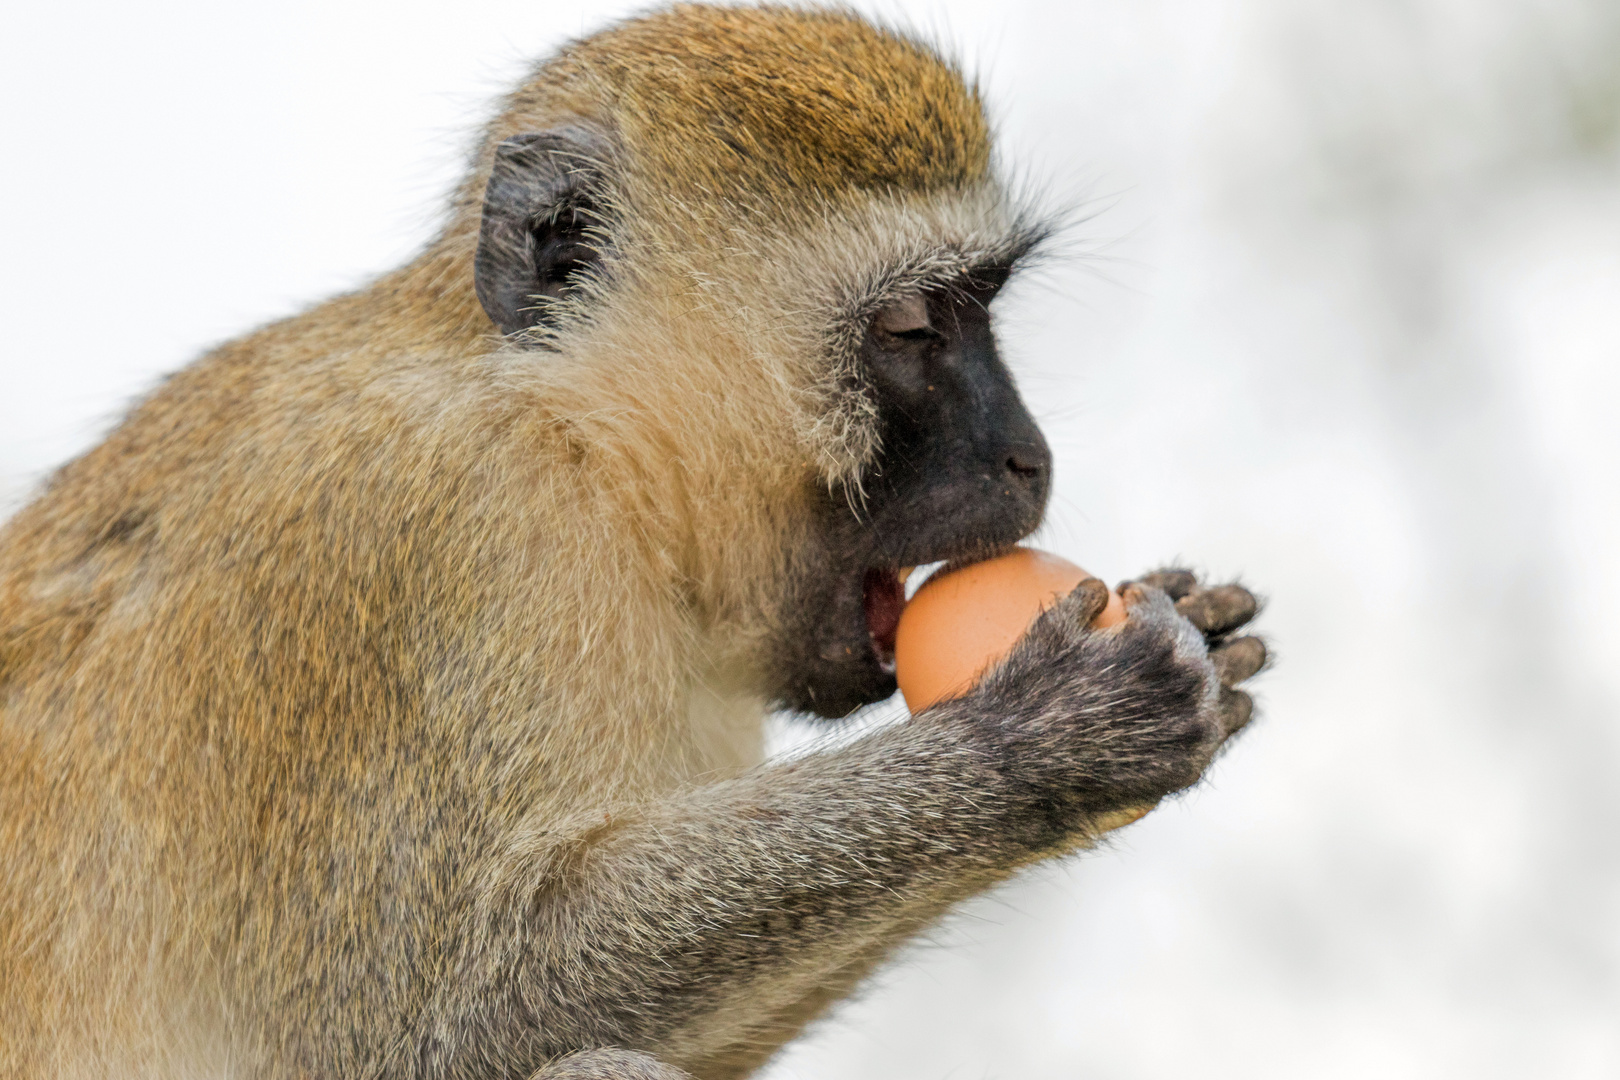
(1096,726)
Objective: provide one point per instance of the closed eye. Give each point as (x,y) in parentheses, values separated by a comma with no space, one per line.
(921,333)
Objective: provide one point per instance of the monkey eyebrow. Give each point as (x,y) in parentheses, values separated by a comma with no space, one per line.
(967,270)
(902,285)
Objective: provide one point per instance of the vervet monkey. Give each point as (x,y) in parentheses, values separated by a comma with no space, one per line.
(383,697)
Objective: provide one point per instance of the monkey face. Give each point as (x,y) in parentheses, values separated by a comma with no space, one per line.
(963,472)
(898,288)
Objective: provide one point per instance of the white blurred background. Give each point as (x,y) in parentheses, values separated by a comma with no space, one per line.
(1346,321)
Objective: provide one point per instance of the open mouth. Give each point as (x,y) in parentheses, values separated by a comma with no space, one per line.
(883,596)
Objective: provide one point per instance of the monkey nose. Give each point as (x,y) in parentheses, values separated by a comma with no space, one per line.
(1028,462)
(1028,466)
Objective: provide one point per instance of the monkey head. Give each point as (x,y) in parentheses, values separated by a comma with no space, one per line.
(776,307)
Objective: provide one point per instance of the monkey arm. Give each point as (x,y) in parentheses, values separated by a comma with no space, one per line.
(693,924)
(709,926)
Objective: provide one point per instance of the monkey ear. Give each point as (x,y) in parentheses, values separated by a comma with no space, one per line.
(539,229)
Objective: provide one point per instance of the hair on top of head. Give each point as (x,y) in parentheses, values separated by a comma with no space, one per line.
(776,98)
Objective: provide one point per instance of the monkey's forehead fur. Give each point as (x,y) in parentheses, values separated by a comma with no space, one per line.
(775,98)
(778,172)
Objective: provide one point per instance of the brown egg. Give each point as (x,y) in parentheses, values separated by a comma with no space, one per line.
(961,623)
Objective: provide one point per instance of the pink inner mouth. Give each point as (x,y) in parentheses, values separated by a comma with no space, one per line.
(884,598)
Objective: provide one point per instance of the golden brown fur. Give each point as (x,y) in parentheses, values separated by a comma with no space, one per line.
(368,628)
(781,100)
(356,546)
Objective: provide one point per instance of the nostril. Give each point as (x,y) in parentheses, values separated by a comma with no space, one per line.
(1026,464)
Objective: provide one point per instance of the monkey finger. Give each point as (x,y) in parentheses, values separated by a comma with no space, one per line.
(1175,582)
(1219,610)
(1238,660)
(1143,595)
(1086,601)
(1235,709)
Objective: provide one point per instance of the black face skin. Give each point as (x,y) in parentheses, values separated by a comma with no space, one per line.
(963,473)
